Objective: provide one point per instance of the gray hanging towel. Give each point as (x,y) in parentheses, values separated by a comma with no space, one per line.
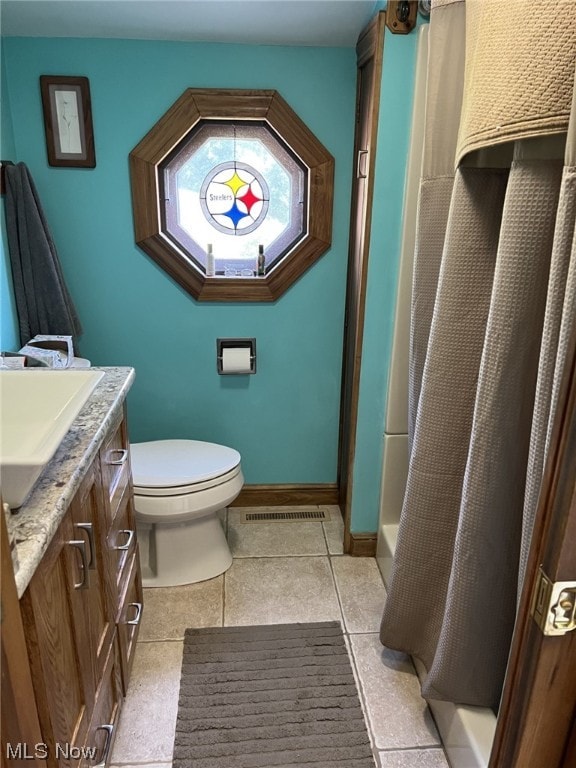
(42,299)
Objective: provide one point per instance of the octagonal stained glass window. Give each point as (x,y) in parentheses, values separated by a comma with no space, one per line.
(232,194)
(237,192)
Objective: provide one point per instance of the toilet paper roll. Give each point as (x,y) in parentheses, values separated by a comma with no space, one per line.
(236,360)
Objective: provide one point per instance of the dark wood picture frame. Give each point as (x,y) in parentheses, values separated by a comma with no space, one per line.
(68,121)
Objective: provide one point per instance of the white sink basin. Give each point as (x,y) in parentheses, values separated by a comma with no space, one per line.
(37,408)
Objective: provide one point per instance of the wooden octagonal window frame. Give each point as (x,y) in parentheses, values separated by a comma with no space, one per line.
(173,128)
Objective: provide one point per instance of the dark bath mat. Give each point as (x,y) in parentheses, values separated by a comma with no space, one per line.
(272,696)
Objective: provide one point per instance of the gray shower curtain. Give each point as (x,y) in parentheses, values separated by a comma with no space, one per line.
(493,304)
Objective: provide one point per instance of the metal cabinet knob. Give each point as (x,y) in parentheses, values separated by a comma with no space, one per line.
(126,547)
(136,620)
(109,728)
(122,457)
(90,532)
(81,546)
(361,174)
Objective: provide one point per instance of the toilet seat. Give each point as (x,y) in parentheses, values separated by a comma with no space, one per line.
(177,467)
(183,490)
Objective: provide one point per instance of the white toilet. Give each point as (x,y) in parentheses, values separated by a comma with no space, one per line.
(179,488)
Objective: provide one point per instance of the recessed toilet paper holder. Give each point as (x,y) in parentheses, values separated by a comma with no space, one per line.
(247,362)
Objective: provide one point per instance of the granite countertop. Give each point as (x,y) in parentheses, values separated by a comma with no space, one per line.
(37,520)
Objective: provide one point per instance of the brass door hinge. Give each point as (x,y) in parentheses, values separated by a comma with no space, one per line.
(554,605)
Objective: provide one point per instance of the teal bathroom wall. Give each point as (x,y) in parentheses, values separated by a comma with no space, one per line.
(384,259)
(9,336)
(283,420)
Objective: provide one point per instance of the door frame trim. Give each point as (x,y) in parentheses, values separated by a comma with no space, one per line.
(538,705)
(370,43)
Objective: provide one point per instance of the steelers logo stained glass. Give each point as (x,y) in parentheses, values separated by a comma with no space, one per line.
(234,198)
(222,163)
(236,187)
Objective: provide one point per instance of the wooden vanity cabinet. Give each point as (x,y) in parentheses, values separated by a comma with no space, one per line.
(79,655)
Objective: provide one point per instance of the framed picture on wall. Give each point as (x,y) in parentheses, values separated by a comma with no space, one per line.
(68,121)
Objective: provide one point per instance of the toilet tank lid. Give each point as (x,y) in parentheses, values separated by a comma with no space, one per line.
(166,463)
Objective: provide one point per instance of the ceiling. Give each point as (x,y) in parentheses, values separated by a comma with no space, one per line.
(264,22)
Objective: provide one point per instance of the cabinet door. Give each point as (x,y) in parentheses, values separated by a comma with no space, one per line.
(89,525)
(19,722)
(56,626)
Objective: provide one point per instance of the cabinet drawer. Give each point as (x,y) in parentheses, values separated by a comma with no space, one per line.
(122,544)
(115,463)
(101,732)
(129,618)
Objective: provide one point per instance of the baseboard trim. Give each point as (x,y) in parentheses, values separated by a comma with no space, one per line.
(362,544)
(287,495)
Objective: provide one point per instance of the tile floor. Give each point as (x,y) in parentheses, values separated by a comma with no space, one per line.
(281,573)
